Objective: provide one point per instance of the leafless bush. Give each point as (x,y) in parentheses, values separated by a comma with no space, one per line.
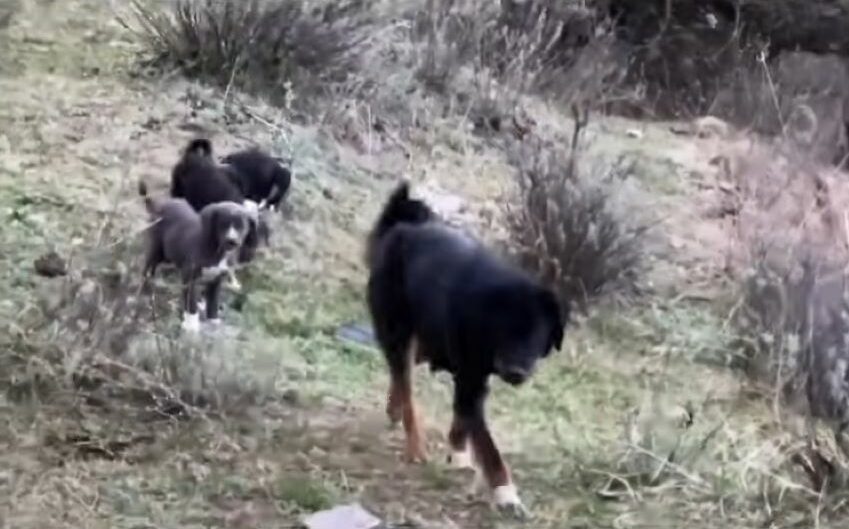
(511,48)
(791,258)
(565,226)
(260,45)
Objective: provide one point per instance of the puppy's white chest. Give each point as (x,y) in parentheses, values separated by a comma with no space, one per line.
(211,273)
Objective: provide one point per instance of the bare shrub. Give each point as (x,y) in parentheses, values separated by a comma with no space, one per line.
(260,45)
(491,54)
(565,226)
(791,256)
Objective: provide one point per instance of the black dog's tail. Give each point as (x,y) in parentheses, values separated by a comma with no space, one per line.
(199,146)
(149,204)
(399,209)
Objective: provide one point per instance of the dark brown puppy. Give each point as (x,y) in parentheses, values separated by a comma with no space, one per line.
(439,296)
(201,181)
(198,244)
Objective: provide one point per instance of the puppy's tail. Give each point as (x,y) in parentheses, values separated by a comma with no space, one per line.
(199,146)
(399,209)
(149,204)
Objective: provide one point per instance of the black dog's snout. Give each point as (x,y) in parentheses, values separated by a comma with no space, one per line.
(512,374)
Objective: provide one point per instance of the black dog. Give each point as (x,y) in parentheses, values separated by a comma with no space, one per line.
(438,296)
(259,176)
(198,244)
(201,181)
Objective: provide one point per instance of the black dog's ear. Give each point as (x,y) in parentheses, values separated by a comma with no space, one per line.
(557,315)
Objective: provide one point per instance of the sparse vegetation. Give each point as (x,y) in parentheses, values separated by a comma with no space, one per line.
(566,227)
(260,45)
(109,418)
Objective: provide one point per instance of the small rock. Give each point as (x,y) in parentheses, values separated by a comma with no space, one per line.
(342,517)
(634,133)
(292,396)
(51,264)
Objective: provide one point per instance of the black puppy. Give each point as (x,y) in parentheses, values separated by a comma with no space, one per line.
(198,244)
(259,176)
(438,296)
(201,181)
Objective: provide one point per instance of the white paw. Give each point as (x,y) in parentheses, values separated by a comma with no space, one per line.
(235,285)
(506,499)
(215,322)
(252,208)
(461,459)
(191,322)
(201,306)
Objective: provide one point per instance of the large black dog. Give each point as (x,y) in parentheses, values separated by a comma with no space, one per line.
(438,296)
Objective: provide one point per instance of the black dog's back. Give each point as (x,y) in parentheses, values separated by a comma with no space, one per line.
(259,175)
(199,180)
(452,291)
(399,209)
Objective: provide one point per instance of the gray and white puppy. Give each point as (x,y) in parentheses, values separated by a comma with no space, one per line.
(200,245)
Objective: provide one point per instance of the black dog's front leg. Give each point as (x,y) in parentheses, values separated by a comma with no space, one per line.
(191,318)
(212,294)
(470,425)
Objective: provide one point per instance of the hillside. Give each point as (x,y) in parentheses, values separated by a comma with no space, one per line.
(279,415)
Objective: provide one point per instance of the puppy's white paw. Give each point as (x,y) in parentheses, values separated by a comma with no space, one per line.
(191,322)
(252,208)
(201,306)
(506,499)
(235,285)
(461,459)
(214,322)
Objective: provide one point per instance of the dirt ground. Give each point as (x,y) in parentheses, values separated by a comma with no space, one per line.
(79,125)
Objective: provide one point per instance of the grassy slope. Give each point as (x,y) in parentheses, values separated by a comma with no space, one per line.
(76,131)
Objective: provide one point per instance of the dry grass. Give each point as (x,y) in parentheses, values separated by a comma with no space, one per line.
(109,419)
(258,45)
(566,227)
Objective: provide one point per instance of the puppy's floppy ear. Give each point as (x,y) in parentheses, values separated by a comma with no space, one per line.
(557,315)
(210,219)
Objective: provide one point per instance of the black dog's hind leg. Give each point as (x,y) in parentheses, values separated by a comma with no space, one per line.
(401,402)
(398,347)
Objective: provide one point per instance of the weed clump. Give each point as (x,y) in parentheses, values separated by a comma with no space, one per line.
(264,46)
(566,228)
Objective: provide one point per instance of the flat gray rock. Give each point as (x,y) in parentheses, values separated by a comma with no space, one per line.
(342,517)
(357,333)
